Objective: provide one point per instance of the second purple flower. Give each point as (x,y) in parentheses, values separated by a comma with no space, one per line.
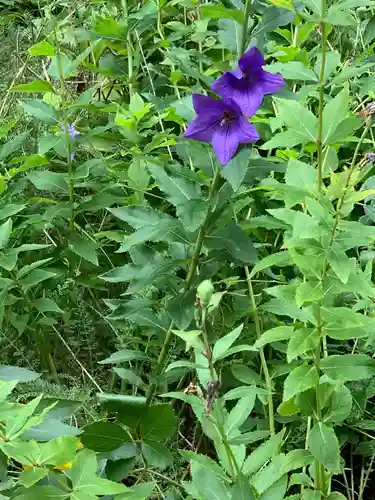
(249,83)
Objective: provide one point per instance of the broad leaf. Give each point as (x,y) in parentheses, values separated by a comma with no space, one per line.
(324,445)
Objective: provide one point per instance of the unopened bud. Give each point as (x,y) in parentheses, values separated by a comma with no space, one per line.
(205,291)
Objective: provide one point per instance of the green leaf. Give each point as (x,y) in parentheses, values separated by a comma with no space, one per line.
(222,345)
(45,304)
(178,190)
(262,454)
(239,414)
(338,17)
(350,72)
(299,379)
(42,49)
(48,181)
(83,469)
(218,11)
(34,86)
(158,423)
(346,367)
(242,489)
(233,239)
(129,376)
(336,496)
(28,478)
(36,277)
(11,209)
(303,340)
(276,259)
(314,5)
(229,35)
(332,61)
(10,373)
(103,436)
(293,70)
(5,232)
(300,174)
(272,18)
(123,356)
(41,110)
(84,247)
(339,262)
(324,445)
(156,454)
(207,483)
(47,492)
(340,405)
(334,113)
(299,118)
(235,170)
(274,335)
(13,145)
(309,291)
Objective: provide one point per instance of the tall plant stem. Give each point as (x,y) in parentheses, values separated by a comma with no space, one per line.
(245,27)
(160,365)
(271,413)
(129,48)
(319,468)
(321,99)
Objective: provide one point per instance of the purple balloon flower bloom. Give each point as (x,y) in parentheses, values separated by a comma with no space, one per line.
(221,123)
(73,133)
(249,83)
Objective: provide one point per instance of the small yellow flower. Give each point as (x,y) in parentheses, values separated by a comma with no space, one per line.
(64,467)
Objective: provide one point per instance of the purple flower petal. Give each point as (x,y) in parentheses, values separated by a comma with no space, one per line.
(252,61)
(248,95)
(270,82)
(225,143)
(204,103)
(246,132)
(202,128)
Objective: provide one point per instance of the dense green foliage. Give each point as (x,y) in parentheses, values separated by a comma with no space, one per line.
(170,327)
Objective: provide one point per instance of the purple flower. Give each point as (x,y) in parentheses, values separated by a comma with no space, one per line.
(72,131)
(221,123)
(249,83)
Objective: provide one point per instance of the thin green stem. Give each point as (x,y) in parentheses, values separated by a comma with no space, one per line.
(67,138)
(271,413)
(129,48)
(319,142)
(245,27)
(207,347)
(160,364)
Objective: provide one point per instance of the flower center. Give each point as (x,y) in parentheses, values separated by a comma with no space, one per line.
(227,118)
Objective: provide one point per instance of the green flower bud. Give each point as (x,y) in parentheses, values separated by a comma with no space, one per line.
(205,291)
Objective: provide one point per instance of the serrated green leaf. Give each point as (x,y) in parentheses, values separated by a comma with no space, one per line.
(334,113)
(84,247)
(34,86)
(274,335)
(298,118)
(40,110)
(299,380)
(324,445)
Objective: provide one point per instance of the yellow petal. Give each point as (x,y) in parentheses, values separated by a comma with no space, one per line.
(64,467)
